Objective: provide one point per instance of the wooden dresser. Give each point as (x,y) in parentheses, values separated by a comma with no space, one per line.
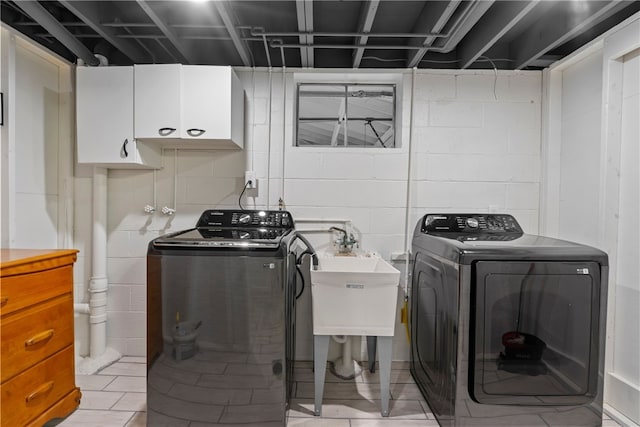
(37,354)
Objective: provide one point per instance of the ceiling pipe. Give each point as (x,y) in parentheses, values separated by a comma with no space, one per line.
(48,22)
(434,19)
(258,33)
(278,44)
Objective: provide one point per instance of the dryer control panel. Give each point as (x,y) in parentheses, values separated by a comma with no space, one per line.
(475,226)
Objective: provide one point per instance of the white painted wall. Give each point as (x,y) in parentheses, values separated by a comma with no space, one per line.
(591,182)
(36,146)
(625,369)
(475,147)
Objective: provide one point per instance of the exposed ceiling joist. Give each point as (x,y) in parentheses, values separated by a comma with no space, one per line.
(521,34)
(223,11)
(167,31)
(565,22)
(56,29)
(89,13)
(304,12)
(475,11)
(367,16)
(504,16)
(432,19)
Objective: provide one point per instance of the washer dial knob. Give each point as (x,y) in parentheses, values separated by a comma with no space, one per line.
(472,223)
(244,219)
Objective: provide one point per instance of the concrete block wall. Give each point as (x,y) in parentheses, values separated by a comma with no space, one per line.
(476,144)
(475,147)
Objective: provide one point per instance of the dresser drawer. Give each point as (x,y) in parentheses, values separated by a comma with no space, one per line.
(17,292)
(33,391)
(33,335)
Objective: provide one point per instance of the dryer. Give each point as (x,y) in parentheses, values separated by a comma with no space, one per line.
(506,328)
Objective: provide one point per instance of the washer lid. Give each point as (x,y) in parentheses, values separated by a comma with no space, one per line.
(225,238)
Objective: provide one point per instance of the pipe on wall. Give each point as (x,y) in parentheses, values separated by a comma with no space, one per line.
(407,225)
(98,283)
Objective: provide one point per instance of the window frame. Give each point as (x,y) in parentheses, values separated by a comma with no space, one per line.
(393,85)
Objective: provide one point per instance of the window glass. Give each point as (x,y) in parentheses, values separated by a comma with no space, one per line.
(346,115)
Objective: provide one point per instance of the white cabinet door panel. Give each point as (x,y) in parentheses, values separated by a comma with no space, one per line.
(104,115)
(157,101)
(206,101)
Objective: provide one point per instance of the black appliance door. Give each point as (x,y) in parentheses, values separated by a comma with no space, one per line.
(224,340)
(536,332)
(433,318)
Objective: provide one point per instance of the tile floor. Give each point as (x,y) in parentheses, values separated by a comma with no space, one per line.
(116,397)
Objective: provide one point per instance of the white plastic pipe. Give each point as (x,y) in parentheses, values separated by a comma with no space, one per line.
(347,361)
(407,225)
(81,308)
(323,220)
(98,283)
(340,339)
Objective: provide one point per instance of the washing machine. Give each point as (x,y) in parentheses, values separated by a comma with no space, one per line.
(506,328)
(220,330)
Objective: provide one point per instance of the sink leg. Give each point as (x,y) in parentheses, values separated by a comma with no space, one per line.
(320,351)
(371,352)
(384,352)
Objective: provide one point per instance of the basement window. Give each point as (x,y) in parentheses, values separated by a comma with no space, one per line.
(346,115)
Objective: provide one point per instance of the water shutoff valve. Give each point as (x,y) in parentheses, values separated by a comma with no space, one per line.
(168,211)
(149,209)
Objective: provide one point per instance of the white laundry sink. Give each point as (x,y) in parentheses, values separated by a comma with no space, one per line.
(354,295)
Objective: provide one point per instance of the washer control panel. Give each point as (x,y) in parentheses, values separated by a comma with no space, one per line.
(473,224)
(245,219)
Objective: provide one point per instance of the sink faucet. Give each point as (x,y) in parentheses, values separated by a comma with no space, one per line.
(345,244)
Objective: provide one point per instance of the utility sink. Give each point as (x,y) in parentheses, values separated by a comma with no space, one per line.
(354,295)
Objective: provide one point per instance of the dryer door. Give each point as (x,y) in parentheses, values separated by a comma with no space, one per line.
(536,332)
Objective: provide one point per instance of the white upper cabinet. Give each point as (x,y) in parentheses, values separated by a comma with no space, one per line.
(104,120)
(212,104)
(157,101)
(189,106)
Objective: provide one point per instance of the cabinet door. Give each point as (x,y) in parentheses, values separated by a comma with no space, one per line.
(157,101)
(104,105)
(206,102)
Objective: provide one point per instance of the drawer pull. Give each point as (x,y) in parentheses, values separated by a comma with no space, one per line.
(166,131)
(37,338)
(4,301)
(195,132)
(40,391)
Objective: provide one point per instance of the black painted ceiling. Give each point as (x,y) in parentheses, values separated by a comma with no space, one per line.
(318,34)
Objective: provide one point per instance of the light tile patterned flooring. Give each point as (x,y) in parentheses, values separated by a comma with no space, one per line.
(116,397)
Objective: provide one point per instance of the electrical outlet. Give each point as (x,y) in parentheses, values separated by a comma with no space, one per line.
(250,179)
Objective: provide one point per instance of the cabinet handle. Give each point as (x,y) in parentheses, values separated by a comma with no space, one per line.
(124,147)
(40,391)
(166,131)
(195,132)
(4,301)
(37,338)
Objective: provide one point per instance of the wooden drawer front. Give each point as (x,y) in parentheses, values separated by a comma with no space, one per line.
(33,391)
(21,291)
(33,335)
